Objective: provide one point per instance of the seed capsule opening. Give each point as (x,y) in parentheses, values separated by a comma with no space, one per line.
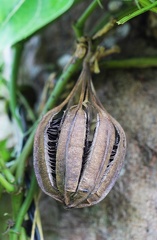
(53,136)
(115,147)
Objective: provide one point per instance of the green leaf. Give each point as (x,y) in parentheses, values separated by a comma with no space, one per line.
(137,13)
(146,3)
(21,18)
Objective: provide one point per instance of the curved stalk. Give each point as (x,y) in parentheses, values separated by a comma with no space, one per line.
(136,13)
(17,53)
(79,25)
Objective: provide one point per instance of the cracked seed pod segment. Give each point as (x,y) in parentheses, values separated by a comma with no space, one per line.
(79,148)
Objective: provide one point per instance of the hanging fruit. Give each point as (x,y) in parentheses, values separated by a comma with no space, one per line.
(79,148)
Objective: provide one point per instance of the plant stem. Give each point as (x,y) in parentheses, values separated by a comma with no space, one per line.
(8,186)
(16,201)
(17,53)
(30,112)
(101,22)
(130,63)
(30,195)
(136,13)
(23,235)
(60,86)
(20,162)
(6,172)
(79,25)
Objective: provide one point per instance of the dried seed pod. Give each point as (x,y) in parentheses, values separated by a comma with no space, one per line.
(79,151)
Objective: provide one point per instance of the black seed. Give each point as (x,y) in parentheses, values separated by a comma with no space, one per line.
(53,135)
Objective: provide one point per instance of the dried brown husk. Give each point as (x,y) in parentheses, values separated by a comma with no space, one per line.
(79,150)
